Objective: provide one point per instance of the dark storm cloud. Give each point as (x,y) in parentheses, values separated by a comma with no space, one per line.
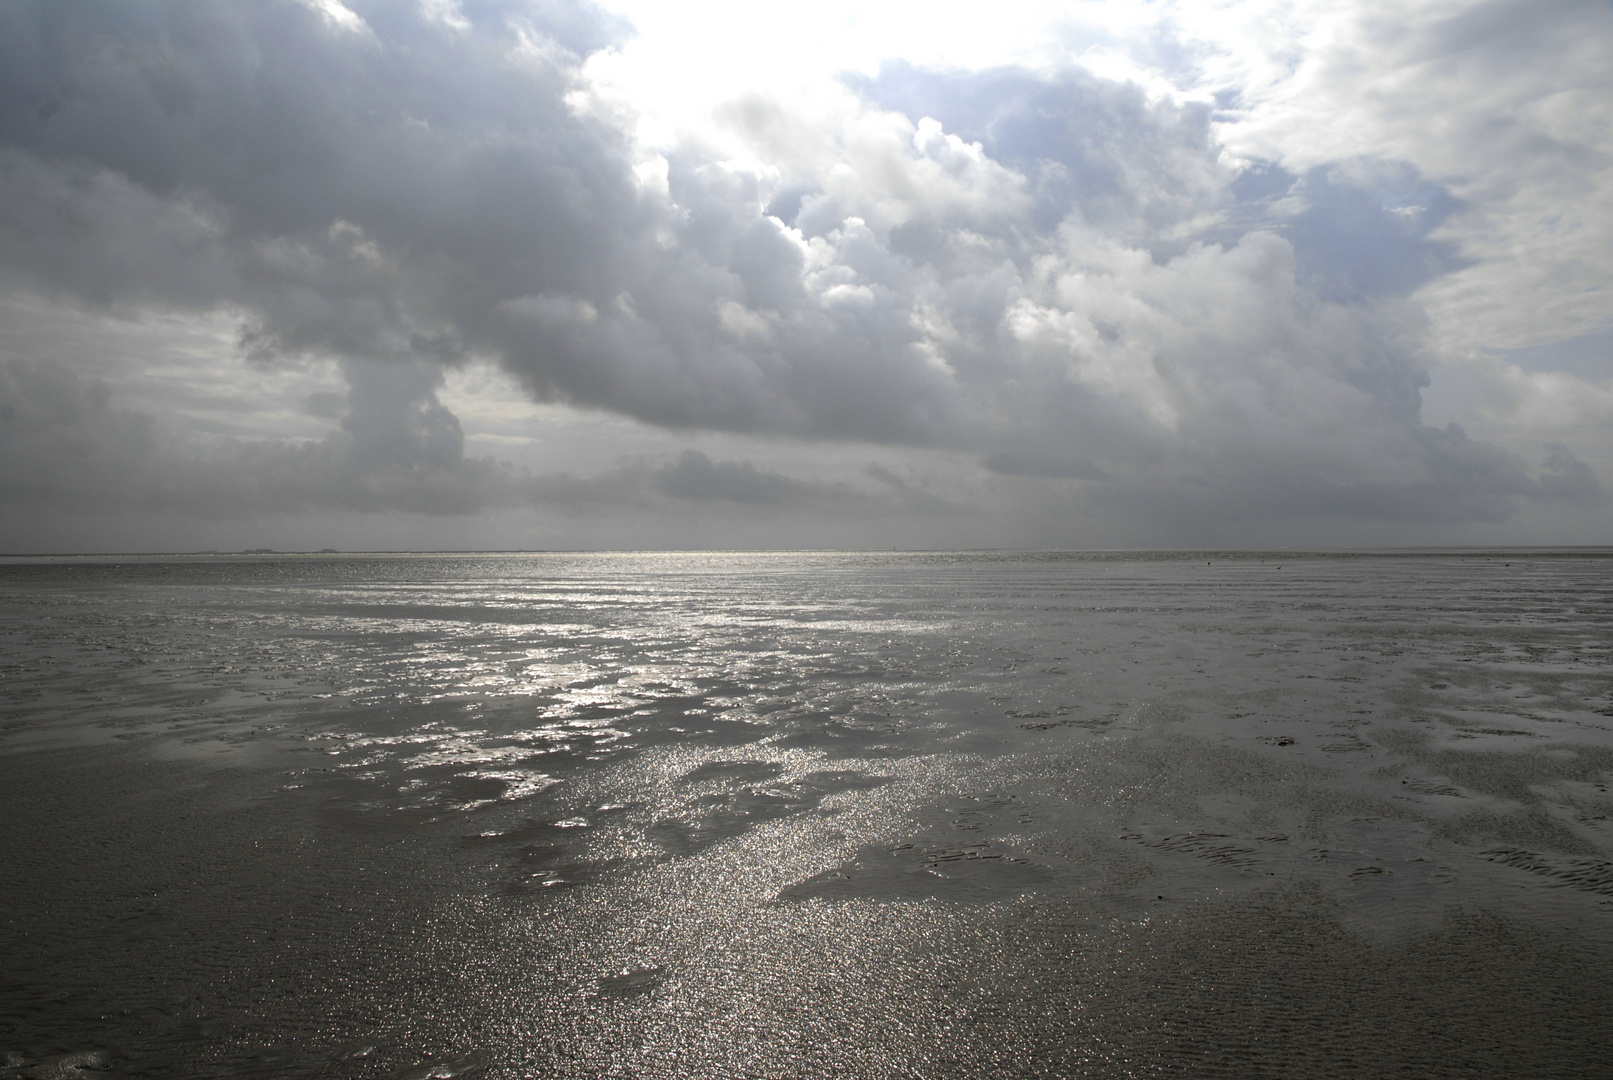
(256,154)
(1036,270)
(409,189)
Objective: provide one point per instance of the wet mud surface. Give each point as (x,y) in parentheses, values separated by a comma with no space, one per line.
(807,815)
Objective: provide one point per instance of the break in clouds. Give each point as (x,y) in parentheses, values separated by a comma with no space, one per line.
(1059,284)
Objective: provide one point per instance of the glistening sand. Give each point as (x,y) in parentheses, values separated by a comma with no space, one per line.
(864,815)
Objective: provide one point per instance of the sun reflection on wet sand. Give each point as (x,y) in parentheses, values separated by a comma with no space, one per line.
(807,814)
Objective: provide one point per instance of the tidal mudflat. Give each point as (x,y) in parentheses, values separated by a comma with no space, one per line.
(798,814)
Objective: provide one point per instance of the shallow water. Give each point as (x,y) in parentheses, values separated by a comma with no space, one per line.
(808,814)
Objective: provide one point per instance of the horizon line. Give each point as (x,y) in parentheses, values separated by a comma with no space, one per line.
(264,553)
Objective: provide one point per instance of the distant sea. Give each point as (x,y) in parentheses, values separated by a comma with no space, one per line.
(802,814)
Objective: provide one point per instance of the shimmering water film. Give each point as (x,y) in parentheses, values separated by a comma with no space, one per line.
(808,815)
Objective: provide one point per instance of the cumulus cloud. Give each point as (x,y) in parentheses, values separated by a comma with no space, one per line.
(1509,102)
(1067,278)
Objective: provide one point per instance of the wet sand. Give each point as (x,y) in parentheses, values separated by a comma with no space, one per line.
(808,815)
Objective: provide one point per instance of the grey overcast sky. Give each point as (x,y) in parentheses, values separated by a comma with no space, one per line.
(465,274)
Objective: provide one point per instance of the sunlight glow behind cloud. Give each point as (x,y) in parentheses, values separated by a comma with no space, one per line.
(1127,271)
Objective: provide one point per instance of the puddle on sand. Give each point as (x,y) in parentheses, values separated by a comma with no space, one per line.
(631,981)
(920,870)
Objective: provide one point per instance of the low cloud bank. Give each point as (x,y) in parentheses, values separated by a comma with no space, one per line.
(65,442)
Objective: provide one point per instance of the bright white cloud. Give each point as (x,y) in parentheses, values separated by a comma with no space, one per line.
(336,14)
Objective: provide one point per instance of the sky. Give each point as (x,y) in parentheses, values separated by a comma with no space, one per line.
(488,274)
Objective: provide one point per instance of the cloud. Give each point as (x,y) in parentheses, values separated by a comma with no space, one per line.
(1566,477)
(1139,169)
(1044,466)
(695,476)
(1505,102)
(1061,276)
(398,449)
(64,443)
(1361,230)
